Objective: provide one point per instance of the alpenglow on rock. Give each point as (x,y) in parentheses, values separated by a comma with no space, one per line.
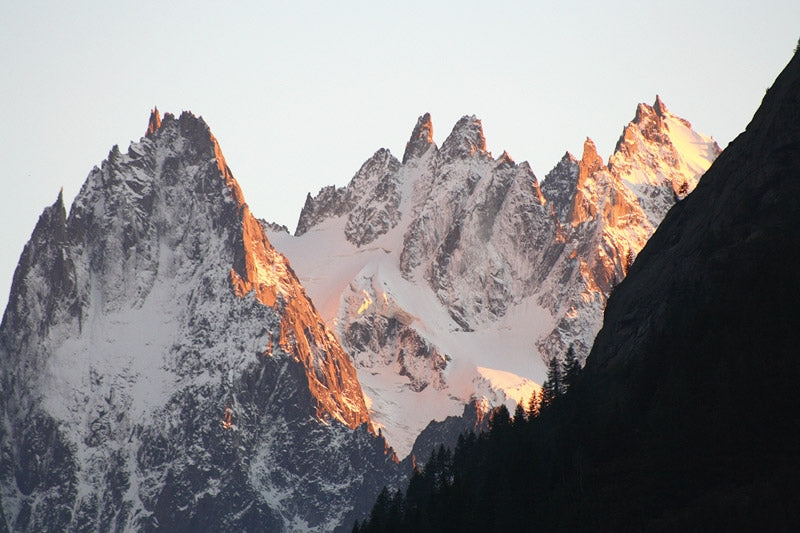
(472,274)
(161,367)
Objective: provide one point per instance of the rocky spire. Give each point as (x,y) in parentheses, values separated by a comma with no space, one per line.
(651,119)
(45,257)
(421,138)
(466,138)
(585,201)
(590,162)
(154,122)
(659,107)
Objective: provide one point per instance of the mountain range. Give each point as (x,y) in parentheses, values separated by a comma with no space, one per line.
(451,274)
(165,366)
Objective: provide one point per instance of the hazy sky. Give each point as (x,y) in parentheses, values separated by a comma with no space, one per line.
(300,94)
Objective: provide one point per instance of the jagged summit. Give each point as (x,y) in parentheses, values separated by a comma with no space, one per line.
(742,206)
(42,255)
(656,112)
(653,122)
(421,138)
(155,121)
(465,139)
(659,149)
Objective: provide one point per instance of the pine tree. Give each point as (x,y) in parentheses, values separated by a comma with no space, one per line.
(571,369)
(519,414)
(553,385)
(500,419)
(534,405)
(378,518)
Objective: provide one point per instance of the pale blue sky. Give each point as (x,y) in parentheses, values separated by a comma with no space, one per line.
(299,94)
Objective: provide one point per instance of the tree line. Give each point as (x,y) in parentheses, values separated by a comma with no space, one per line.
(492,481)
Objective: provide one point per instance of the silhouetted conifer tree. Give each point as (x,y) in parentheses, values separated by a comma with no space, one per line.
(500,419)
(519,414)
(553,385)
(571,369)
(534,404)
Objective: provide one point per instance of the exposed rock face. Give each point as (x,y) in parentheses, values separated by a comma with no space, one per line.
(377,211)
(421,139)
(559,186)
(453,241)
(154,123)
(465,140)
(372,209)
(614,210)
(162,366)
(273,226)
(382,333)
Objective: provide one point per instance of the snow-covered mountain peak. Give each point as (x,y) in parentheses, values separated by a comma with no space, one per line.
(660,157)
(421,138)
(171,184)
(43,257)
(466,139)
(371,201)
(468,268)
